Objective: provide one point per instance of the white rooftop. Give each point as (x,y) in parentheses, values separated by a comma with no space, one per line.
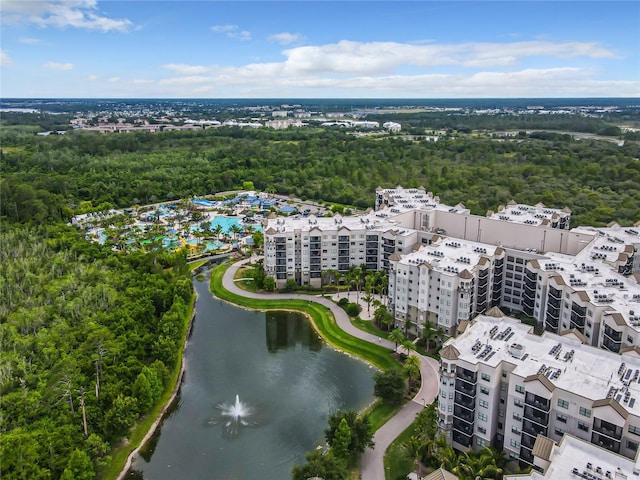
(450,255)
(593,271)
(305,224)
(574,458)
(406,199)
(528,214)
(562,359)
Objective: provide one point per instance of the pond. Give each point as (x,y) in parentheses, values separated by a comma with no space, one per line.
(270,368)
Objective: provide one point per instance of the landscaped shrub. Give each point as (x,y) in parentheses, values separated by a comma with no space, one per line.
(353,309)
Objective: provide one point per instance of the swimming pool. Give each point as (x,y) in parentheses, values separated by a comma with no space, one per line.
(226,223)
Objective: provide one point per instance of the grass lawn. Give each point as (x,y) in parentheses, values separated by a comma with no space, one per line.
(396,461)
(196,264)
(369,327)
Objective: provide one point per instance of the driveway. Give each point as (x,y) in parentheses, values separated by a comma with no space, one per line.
(372,462)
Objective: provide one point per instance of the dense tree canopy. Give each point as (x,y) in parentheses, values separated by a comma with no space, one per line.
(87,341)
(48,177)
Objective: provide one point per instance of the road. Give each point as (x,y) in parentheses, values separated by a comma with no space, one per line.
(372,462)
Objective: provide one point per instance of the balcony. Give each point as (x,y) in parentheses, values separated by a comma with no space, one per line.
(462,439)
(528,441)
(526,455)
(466,375)
(537,402)
(536,416)
(612,334)
(466,388)
(463,414)
(533,430)
(465,401)
(608,429)
(463,427)
(555,294)
(605,442)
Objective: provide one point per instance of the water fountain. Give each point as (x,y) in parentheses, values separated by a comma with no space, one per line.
(235,415)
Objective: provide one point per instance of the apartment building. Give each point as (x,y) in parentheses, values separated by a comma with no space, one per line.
(573,458)
(503,386)
(446,265)
(595,292)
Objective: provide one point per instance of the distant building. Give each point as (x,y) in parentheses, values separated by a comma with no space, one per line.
(392,126)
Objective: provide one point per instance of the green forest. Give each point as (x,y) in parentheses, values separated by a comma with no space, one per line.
(89,338)
(50,177)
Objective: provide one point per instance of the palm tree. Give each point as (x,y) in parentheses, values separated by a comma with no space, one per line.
(351,277)
(479,465)
(411,367)
(439,337)
(396,336)
(428,334)
(414,448)
(408,345)
(217,231)
(368,298)
(235,230)
(330,275)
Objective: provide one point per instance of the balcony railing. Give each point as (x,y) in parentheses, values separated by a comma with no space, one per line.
(532,402)
(465,388)
(466,375)
(465,401)
(615,433)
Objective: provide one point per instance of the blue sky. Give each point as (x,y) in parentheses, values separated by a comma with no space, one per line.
(319,49)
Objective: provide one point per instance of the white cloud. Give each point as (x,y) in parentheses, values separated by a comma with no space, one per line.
(5,60)
(347,57)
(82,14)
(93,78)
(29,40)
(285,38)
(183,69)
(405,69)
(232,31)
(113,79)
(58,66)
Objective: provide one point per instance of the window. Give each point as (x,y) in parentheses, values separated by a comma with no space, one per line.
(482,430)
(480,442)
(585,412)
(634,430)
(515,443)
(561,418)
(563,403)
(485,377)
(484,390)
(482,416)
(504,374)
(517,403)
(559,431)
(631,445)
(484,404)
(583,426)
(519,389)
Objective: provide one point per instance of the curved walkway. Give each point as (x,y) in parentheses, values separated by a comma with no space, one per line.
(372,462)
